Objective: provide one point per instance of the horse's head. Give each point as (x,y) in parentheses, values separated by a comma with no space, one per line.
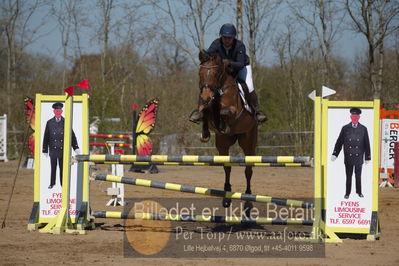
(210,75)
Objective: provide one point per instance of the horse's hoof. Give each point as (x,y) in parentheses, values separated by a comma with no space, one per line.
(226,202)
(248,208)
(196,116)
(204,140)
(205,137)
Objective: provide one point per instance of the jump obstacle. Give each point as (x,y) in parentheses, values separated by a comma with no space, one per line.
(202,191)
(106,158)
(122,145)
(110,136)
(189,160)
(200,218)
(321,230)
(3,138)
(117,190)
(214,164)
(192,160)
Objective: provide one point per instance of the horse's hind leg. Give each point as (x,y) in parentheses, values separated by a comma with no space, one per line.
(248,176)
(227,186)
(248,144)
(248,204)
(223,144)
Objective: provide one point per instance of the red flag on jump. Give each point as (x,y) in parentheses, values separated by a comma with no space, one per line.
(69,90)
(84,84)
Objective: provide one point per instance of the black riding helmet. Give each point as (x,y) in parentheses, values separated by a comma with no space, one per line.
(228,30)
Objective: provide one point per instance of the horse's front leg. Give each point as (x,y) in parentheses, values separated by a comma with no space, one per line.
(205,135)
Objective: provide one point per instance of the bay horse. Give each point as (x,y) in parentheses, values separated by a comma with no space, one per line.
(225,114)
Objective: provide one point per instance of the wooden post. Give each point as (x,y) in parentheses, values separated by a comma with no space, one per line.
(134,135)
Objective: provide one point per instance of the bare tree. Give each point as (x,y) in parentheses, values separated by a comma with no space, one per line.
(239,20)
(295,76)
(118,35)
(259,19)
(128,27)
(325,20)
(128,33)
(79,21)
(375,19)
(106,7)
(62,11)
(193,20)
(15,19)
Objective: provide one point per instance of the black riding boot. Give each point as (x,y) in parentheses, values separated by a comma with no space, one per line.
(196,117)
(253,102)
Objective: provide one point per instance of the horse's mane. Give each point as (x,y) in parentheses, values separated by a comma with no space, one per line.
(204,57)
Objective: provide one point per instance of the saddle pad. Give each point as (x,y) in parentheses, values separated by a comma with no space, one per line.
(243,98)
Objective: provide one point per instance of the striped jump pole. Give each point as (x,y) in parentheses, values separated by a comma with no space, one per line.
(108,136)
(203,191)
(214,164)
(110,144)
(200,218)
(101,158)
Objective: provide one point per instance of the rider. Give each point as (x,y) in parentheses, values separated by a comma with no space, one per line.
(232,51)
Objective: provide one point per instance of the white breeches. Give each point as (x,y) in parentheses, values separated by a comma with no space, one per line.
(246,74)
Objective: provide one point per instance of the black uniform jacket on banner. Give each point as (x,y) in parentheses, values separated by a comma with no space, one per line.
(53,139)
(356,144)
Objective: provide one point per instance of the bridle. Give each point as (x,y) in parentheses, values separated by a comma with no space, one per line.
(217,88)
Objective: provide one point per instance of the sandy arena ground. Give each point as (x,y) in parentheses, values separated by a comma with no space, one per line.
(104,245)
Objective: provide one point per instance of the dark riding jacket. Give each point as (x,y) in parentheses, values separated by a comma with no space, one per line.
(236,54)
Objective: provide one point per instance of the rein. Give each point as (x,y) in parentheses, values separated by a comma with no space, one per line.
(214,66)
